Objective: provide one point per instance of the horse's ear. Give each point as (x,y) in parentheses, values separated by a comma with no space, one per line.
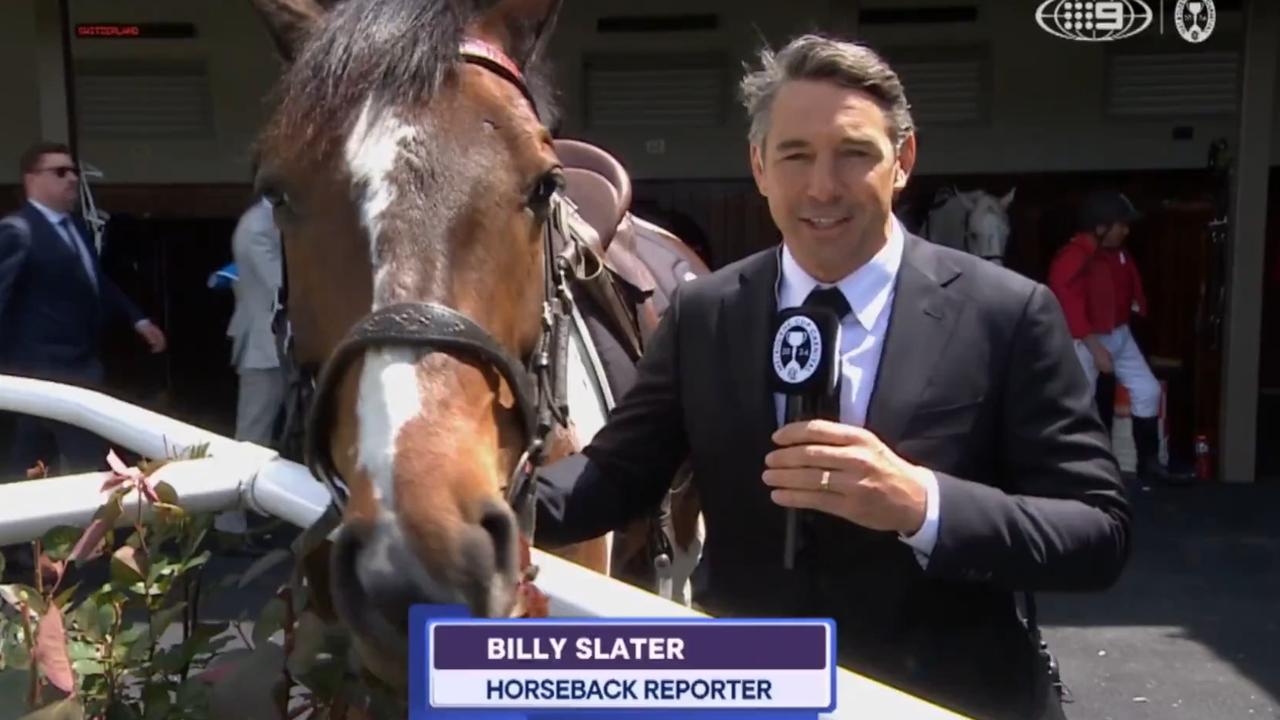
(967,199)
(290,22)
(521,27)
(1007,200)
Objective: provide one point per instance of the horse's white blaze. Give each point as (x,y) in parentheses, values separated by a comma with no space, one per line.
(371,152)
(388,396)
(388,399)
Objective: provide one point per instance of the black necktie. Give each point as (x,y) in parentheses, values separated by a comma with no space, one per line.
(832,299)
(70,235)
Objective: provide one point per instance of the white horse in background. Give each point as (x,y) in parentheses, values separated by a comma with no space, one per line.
(975,221)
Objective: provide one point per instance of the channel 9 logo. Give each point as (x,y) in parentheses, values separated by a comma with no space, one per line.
(1094,20)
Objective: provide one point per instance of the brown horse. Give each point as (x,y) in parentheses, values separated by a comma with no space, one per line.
(429,256)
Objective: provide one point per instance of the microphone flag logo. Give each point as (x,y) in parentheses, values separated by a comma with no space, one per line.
(797,349)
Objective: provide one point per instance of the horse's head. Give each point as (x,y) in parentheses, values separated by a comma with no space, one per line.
(987,223)
(413,179)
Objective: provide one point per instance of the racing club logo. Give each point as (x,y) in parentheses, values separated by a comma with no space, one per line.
(797,349)
(1194,20)
(1095,20)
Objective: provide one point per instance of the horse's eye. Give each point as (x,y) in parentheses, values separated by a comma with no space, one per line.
(275,196)
(546,186)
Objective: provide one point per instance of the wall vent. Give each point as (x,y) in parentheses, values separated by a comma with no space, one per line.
(143,100)
(945,86)
(1173,84)
(655,90)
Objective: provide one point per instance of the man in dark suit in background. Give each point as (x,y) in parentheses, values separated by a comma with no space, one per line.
(55,303)
(967,465)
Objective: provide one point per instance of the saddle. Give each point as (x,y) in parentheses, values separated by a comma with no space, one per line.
(646,257)
(646,263)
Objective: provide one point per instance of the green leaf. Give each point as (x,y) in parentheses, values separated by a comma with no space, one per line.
(308,643)
(17,656)
(139,650)
(170,660)
(270,621)
(69,709)
(108,616)
(161,620)
(156,700)
(120,710)
(262,565)
(96,616)
(167,512)
(166,493)
(132,634)
(16,593)
(65,596)
(86,667)
(57,543)
(196,561)
(193,694)
(79,650)
(129,564)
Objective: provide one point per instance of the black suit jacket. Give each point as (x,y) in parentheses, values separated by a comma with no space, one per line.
(978,381)
(51,315)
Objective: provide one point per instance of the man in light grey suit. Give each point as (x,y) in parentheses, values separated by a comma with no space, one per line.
(255,246)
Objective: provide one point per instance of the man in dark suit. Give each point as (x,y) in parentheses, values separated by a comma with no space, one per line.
(55,302)
(968,464)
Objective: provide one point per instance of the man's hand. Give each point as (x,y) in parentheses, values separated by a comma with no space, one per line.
(868,484)
(152,335)
(1101,356)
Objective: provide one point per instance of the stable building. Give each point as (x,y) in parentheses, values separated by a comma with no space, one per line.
(164,99)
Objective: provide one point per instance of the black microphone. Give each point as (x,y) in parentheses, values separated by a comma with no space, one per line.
(804,367)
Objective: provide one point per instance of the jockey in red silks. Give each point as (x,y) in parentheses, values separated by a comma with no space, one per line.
(1098,285)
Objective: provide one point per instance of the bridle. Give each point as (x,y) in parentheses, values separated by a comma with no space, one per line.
(539,383)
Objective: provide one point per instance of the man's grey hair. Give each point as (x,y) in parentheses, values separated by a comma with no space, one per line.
(814,57)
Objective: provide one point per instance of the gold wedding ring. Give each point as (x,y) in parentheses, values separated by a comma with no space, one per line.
(825,482)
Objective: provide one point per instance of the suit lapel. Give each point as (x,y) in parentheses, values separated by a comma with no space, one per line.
(747,312)
(919,327)
(38,220)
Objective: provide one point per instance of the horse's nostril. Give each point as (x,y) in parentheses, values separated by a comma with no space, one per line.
(499,522)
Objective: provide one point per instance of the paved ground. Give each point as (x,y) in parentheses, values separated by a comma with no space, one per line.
(1190,632)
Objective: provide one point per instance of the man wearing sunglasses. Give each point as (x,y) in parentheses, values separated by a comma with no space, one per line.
(55,303)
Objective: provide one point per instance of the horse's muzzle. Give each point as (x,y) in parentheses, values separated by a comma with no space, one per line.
(377,576)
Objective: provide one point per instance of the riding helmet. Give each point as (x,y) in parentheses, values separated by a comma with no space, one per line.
(1105,207)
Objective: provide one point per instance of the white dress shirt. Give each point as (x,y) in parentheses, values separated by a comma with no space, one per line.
(75,242)
(869,290)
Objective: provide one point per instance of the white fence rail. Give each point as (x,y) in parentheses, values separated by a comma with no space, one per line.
(237,474)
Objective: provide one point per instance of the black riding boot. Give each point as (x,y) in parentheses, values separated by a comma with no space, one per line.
(1146,440)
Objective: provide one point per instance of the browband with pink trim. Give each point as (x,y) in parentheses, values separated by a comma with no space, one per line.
(487,55)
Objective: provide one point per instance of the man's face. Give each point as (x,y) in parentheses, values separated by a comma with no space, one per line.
(54,182)
(829,171)
(1113,236)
